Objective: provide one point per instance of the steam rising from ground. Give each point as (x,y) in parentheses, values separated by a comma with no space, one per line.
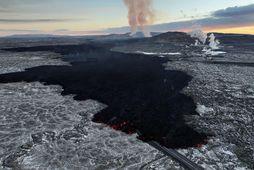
(198,33)
(202,38)
(140,15)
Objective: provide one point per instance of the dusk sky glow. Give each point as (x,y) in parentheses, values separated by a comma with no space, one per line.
(82,17)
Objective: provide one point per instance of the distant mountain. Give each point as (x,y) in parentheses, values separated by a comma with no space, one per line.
(173,37)
(234,38)
(169,42)
(141,34)
(98,37)
(112,37)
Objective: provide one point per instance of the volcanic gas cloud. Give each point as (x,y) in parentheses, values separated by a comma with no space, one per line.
(140,15)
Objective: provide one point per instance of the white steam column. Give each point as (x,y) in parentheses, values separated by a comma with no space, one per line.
(140,15)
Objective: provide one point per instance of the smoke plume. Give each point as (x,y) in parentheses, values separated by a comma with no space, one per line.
(140,15)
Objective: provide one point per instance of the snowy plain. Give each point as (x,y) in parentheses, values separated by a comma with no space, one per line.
(41,129)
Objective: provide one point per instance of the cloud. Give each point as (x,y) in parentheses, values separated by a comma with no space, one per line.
(62,30)
(238,16)
(5,10)
(6,32)
(15,3)
(21,6)
(36,20)
(225,18)
(235,11)
(70,32)
(18,30)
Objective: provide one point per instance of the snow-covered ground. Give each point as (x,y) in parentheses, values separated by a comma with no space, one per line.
(42,129)
(14,62)
(223,94)
(212,53)
(158,54)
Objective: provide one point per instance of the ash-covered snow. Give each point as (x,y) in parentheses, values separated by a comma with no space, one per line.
(15,62)
(226,111)
(41,129)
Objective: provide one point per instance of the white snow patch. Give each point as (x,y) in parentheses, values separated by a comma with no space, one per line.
(240,168)
(36,58)
(159,54)
(250,96)
(212,53)
(201,109)
(227,152)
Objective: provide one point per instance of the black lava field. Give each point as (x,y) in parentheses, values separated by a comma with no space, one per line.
(142,97)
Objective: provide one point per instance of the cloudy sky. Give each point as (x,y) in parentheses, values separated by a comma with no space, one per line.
(79,17)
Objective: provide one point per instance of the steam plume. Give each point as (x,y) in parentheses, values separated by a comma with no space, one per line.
(140,15)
